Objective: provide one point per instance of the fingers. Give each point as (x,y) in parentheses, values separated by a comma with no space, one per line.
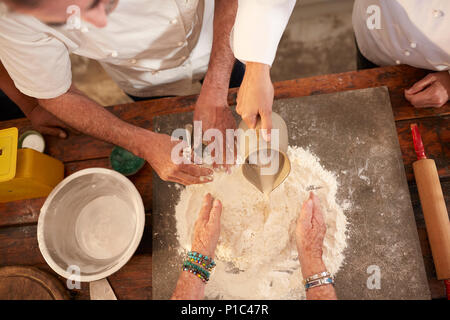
(317,211)
(206,207)
(250,120)
(266,123)
(187,179)
(433,96)
(53,131)
(195,170)
(216,211)
(421,84)
(306,212)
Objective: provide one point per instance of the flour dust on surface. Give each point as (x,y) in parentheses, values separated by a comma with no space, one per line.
(256,255)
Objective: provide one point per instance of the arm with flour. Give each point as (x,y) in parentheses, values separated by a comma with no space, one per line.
(310,233)
(206,236)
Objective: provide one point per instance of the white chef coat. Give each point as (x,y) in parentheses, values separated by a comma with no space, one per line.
(258,29)
(413,32)
(149,47)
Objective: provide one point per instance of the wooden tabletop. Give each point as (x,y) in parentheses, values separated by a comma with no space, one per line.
(18,242)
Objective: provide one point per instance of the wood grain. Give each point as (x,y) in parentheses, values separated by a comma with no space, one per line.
(18,244)
(29,283)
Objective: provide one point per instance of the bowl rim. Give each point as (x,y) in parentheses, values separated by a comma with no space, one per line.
(124,258)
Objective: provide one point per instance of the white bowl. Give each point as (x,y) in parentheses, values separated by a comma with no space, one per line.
(91,224)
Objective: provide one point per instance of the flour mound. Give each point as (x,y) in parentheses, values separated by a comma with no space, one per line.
(256,256)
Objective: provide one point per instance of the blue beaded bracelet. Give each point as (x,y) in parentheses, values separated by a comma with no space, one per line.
(196,270)
(205,261)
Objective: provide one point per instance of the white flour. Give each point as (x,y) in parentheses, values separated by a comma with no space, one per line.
(257,259)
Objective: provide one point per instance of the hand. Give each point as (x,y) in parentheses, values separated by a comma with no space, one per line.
(433,91)
(214,112)
(159,155)
(310,233)
(46,123)
(255,97)
(207,227)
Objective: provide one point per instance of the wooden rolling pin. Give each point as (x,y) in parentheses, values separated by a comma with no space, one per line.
(433,207)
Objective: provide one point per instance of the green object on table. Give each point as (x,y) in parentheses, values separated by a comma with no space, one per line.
(125,162)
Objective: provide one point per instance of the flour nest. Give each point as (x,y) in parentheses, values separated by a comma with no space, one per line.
(256,255)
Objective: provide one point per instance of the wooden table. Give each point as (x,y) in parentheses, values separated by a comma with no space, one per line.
(18,242)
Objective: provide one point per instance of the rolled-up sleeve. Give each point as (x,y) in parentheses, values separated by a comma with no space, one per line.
(258,29)
(37,62)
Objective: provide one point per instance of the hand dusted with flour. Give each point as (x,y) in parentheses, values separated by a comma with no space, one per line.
(256,256)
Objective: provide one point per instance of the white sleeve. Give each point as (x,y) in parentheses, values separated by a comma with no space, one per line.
(37,62)
(258,29)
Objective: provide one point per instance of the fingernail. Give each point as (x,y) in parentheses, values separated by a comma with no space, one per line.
(309,204)
(216,203)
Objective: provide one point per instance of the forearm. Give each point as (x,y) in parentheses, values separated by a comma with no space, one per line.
(323,292)
(222,57)
(88,117)
(189,287)
(25,103)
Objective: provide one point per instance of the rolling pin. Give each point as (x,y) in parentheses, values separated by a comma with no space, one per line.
(433,207)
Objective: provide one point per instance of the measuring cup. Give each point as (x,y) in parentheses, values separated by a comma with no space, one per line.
(252,146)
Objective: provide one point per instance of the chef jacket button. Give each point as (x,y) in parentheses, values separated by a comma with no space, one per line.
(133,61)
(407,53)
(413,45)
(85,29)
(174,21)
(398,62)
(114,54)
(437,13)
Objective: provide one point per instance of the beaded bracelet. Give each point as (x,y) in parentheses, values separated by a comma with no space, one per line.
(196,270)
(202,260)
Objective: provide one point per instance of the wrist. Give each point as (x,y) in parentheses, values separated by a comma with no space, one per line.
(311,266)
(145,143)
(213,95)
(202,250)
(257,68)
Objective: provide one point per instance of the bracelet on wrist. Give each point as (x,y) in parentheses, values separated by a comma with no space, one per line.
(198,271)
(318,279)
(205,261)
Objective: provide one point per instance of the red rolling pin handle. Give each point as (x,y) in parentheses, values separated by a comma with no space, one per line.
(418,144)
(447,288)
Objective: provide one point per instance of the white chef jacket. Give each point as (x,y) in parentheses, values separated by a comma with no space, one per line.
(258,29)
(413,32)
(149,47)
